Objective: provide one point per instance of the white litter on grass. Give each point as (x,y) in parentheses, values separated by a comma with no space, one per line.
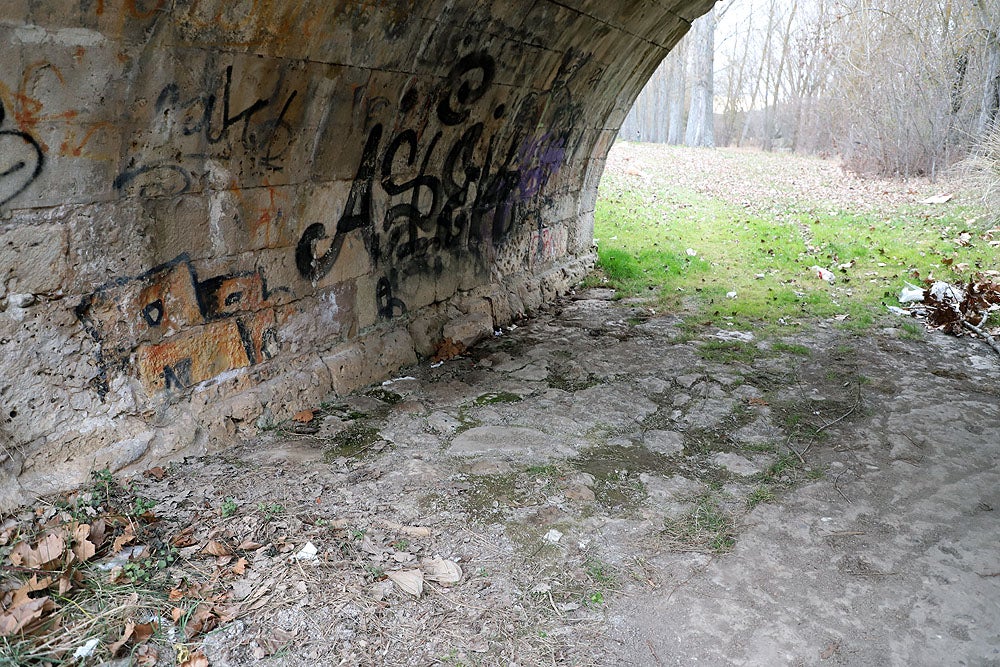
(553,536)
(692,252)
(822,274)
(911,293)
(731,295)
(87,649)
(308,552)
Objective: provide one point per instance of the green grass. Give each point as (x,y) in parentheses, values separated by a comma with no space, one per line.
(707,528)
(728,351)
(753,268)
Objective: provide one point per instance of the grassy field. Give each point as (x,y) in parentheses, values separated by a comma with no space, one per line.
(731,237)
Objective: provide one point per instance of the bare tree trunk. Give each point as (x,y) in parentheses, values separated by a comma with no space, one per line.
(677,91)
(771,112)
(701,117)
(764,57)
(991,90)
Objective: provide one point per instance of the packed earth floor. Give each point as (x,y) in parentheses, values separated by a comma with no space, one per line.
(596,487)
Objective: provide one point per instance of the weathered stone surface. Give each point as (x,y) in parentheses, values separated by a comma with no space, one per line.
(664,442)
(741,465)
(201,199)
(526,444)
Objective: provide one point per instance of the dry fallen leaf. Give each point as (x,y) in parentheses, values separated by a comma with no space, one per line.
(216,548)
(441,571)
(196,659)
(157,473)
(240,567)
(83,548)
(249,546)
(23,594)
(126,635)
(19,619)
(125,538)
(408,581)
(200,621)
(49,549)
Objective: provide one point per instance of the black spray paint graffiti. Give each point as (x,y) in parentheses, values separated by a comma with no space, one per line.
(264,137)
(178,329)
(465,203)
(21,161)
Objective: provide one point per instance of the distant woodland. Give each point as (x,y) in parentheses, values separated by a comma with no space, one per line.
(895,87)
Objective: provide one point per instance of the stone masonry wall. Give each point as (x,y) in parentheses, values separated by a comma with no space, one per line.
(215,213)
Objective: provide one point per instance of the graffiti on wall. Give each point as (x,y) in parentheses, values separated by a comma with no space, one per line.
(181,329)
(257,138)
(456,190)
(21,160)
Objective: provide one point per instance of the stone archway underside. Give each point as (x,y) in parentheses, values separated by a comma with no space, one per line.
(216,212)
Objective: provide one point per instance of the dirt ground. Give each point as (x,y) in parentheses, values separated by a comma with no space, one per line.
(611,496)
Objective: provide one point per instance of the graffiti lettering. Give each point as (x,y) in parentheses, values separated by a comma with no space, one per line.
(265,140)
(388,306)
(468,81)
(455,190)
(21,161)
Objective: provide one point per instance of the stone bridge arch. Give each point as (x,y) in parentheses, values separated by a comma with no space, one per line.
(215,213)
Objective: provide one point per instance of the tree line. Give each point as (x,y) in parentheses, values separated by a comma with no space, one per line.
(895,87)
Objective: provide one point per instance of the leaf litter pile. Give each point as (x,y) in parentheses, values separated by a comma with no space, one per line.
(100,575)
(956,309)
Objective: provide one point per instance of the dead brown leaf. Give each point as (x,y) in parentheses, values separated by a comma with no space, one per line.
(216,548)
(65,583)
(19,619)
(157,473)
(83,548)
(23,594)
(196,659)
(185,538)
(98,529)
(240,567)
(201,621)
(126,635)
(125,538)
(448,349)
(143,631)
(50,548)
